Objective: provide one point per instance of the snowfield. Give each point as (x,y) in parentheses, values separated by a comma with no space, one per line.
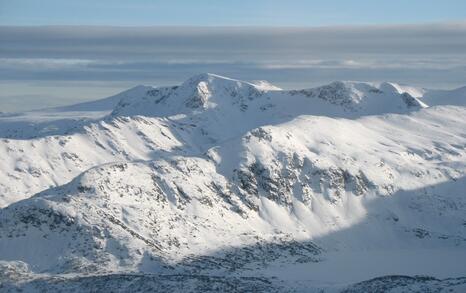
(225,185)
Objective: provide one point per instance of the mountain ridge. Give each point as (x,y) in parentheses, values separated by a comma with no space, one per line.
(219,177)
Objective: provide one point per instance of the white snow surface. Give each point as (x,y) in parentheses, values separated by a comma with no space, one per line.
(317,188)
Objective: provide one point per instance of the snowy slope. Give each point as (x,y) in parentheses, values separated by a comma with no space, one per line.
(220,177)
(431,97)
(106,104)
(446,97)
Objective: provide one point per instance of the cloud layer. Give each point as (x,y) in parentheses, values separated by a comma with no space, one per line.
(430,55)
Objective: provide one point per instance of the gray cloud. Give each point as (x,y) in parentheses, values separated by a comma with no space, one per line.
(430,55)
(242,43)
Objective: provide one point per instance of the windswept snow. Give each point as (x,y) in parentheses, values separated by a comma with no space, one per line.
(221,178)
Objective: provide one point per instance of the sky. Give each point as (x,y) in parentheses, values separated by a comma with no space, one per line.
(61,52)
(228,13)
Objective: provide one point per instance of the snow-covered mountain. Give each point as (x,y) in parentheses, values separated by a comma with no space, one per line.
(220,184)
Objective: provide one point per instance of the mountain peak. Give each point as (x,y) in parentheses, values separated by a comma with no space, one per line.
(206,77)
(198,92)
(218,80)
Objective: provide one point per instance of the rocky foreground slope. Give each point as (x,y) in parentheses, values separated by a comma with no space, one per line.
(219,184)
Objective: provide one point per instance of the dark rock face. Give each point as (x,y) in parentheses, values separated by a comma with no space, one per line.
(300,179)
(335,93)
(408,284)
(146,283)
(410,101)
